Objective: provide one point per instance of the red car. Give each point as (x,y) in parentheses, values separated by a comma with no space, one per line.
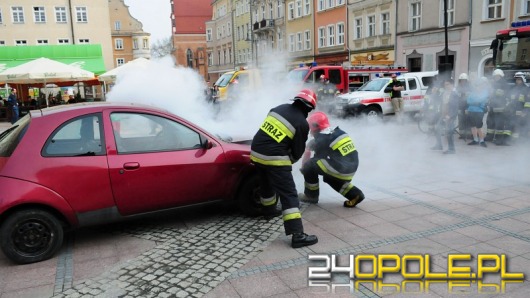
(84,164)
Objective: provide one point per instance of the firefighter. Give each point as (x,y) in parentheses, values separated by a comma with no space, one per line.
(326,92)
(462,90)
(519,97)
(278,144)
(497,119)
(336,159)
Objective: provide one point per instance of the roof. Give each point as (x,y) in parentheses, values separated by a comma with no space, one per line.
(191,16)
(88,57)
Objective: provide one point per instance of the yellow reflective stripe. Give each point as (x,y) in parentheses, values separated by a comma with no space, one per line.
(527,104)
(346,190)
(345,146)
(292,216)
(277,127)
(277,162)
(311,186)
(268,201)
(330,171)
(339,141)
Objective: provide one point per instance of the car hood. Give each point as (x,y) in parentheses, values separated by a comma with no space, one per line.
(362,94)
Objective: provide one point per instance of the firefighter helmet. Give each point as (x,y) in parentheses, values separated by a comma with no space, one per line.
(318,121)
(463,76)
(498,72)
(308,97)
(520,75)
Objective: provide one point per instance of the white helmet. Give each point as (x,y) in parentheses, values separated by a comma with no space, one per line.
(463,76)
(498,72)
(520,75)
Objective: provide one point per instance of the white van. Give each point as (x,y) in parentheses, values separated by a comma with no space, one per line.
(371,99)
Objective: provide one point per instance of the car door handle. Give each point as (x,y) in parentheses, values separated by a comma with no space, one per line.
(131,165)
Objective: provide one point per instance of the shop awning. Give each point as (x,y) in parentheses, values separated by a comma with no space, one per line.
(88,57)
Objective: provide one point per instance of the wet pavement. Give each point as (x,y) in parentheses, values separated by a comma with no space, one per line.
(418,201)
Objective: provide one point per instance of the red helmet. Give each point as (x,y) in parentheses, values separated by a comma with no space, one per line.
(318,121)
(308,97)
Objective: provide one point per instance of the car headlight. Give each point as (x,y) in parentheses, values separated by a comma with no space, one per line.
(354,100)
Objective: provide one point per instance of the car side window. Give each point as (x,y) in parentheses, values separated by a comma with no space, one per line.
(142,133)
(412,84)
(78,137)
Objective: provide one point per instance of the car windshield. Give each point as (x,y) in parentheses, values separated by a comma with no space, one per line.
(10,138)
(224,80)
(374,85)
(297,75)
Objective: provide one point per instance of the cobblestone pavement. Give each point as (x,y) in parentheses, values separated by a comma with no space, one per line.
(418,201)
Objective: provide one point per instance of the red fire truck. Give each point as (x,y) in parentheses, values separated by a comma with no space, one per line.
(511,50)
(346,79)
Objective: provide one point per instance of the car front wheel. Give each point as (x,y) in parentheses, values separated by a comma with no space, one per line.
(30,236)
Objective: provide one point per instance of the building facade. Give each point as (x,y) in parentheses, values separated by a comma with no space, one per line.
(221,44)
(128,38)
(372,35)
(188,21)
(420,42)
(300,32)
(330,39)
(242,33)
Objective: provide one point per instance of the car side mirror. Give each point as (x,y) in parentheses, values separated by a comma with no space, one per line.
(205,143)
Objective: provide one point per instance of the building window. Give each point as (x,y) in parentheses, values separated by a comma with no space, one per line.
(210,59)
(209,34)
(291,10)
(2,43)
(291,42)
(1,21)
(84,40)
(331,3)
(320,5)
(299,41)
(118,44)
(145,43)
(271,11)
(358,28)
(21,42)
(120,61)
(39,15)
(189,58)
(307,40)
(298,8)
(229,55)
(280,40)
(135,44)
(279,13)
(340,33)
(340,2)
(321,37)
(18,14)
(60,14)
(63,41)
(450,13)
(117,25)
(385,23)
(42,41)
(331,35)
(370,21)
(526,7)
(494,9)
(415,16)
(307,7)
(81,14)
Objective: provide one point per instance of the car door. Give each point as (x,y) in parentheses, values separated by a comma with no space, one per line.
(413,98)
(159,163)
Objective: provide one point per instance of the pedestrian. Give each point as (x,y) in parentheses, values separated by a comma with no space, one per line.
(477,101)
(335,159)
(395,87)
(519,97)
(448,111)
(12,102)
(278,144)
(463,88)
(496,118)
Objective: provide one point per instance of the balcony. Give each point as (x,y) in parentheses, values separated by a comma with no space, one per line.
(264,25)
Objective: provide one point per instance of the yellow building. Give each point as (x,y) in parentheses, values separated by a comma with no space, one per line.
(243,48)
(300,31)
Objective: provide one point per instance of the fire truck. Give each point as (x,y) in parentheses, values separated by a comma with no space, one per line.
(345,79)
(511,50)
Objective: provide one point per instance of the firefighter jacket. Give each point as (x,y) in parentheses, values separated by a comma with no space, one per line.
(281,139)
(519,97)
(499,97)
(336,154)
(326,91)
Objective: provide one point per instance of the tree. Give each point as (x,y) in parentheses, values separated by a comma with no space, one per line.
(162,47)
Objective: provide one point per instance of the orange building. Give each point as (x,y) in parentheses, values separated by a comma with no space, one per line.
(189,33)
(331,35)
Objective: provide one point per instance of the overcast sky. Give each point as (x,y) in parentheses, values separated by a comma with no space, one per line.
(154,15)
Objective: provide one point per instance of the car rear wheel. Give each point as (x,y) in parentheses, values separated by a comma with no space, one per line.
(248,199)
(30,236)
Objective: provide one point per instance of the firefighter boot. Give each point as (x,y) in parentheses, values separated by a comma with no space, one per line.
(354,201)
(307,199)
(302,239)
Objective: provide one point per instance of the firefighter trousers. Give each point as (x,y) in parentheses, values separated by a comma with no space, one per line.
(277,181)
(311,171)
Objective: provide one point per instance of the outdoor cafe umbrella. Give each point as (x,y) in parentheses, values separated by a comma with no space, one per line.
(138,64)
(44,70)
